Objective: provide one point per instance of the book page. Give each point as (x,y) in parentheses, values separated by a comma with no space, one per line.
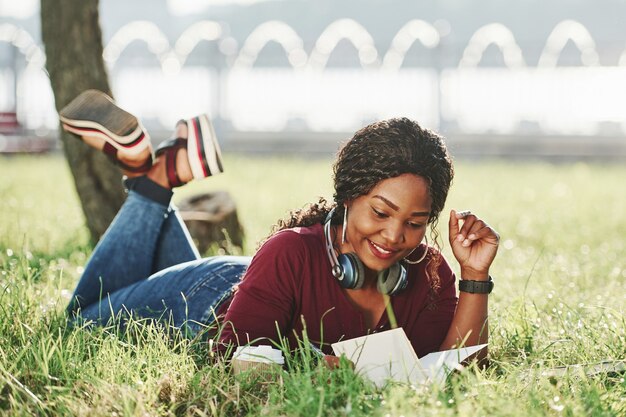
(381,356)
(389,355)
(437,365)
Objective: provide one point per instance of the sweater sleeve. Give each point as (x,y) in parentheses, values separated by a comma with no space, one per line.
(264,305)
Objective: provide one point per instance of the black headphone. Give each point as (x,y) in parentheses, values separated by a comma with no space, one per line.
(350,272)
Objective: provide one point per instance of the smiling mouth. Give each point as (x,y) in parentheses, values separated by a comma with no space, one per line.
(379,251)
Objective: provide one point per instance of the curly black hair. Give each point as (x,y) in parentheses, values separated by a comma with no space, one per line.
(382,150)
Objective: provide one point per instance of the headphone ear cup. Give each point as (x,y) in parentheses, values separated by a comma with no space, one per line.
(393,280)
(353,271)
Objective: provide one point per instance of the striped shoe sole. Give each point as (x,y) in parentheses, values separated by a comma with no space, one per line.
(93,109)
(134,146)
(205,157)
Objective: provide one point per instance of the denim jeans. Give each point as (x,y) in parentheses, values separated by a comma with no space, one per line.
(147,265)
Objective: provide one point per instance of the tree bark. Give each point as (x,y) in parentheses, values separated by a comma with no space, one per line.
(73,41)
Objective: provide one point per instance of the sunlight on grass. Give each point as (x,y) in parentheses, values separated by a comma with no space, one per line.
(559,300)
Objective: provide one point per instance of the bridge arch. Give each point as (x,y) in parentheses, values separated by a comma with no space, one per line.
(563,32)
(493,33)
(343,29)
(412,31)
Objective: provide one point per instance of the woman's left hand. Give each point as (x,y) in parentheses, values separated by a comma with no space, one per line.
(474,244)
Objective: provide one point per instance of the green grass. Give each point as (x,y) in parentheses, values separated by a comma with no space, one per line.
(559,300)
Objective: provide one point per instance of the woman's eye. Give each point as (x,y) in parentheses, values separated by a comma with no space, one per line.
(415,225)
(379,213)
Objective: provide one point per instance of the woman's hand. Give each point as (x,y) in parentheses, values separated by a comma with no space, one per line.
(474,244)
(332,362)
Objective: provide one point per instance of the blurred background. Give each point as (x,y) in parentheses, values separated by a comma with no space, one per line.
(518,79)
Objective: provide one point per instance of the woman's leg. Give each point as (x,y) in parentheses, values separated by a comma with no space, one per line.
(125,253)
(183,295)
(175,245)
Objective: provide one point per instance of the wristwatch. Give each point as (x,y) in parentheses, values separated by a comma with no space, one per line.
(476,287)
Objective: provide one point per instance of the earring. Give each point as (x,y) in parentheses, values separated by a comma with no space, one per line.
(420,259)
(345,224)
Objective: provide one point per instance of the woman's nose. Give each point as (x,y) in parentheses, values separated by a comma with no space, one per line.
(393,232)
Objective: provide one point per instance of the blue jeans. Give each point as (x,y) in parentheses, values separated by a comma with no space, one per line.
(147,265)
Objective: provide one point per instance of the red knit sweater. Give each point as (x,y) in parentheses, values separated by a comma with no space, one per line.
(289,286)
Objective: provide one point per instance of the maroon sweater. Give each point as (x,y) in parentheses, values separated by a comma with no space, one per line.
(289,287)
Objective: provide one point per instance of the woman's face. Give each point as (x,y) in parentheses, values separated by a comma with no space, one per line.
(390,221)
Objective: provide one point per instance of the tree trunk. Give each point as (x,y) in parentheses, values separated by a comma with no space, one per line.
(73,41)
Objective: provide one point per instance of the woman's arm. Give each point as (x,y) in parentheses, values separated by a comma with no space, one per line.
(474,245)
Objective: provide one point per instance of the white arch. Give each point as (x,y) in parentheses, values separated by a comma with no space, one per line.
(273,30)
(562,32)
(412,31)
(22,40)
(493,33)
(343,29)
(149,33)
(205,30)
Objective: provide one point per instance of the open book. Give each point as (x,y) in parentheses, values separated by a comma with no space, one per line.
(389,355)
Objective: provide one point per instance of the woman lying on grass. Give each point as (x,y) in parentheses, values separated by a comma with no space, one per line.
(331,268)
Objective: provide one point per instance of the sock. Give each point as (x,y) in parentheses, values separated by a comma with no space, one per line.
(146,187)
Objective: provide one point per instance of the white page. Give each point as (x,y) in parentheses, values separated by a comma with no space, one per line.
(437,365)
(389,355)
(381,356)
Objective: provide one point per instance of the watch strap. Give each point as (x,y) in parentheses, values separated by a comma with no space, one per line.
(476,287)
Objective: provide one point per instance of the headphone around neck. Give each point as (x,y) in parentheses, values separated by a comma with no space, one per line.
(350,271)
